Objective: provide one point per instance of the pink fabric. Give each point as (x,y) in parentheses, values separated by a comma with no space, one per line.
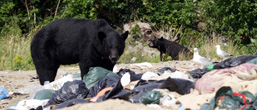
(214,79)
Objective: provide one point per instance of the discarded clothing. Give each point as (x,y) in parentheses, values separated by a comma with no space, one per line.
(215,78)
(180,86)
(198,73)
(95,74)
(70,90)
(231,100)
(234,61)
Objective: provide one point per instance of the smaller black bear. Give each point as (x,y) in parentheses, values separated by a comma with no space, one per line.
(90,43)
(168,48)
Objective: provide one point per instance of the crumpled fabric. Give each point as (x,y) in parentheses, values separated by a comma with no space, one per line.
(215,78)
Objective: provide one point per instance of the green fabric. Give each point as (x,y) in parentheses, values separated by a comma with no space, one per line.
(231,102)
(152,97)
(44,94)
(95,74)
(253,61)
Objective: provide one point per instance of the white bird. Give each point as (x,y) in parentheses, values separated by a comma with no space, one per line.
(199,59)
(221,53)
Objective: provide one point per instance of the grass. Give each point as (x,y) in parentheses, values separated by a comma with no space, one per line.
(15,53)
(208,49)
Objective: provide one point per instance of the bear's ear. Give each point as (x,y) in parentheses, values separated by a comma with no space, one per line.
(101,35)
(124,35)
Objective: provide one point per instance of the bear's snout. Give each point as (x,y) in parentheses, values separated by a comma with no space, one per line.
(114,56)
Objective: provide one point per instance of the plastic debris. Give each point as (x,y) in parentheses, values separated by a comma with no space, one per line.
(166,70)
(125,79)
(148,75)
(57,84)
(3,93)
(44,94)
(152,97)
(28,104)
(133,75)
(209,67)
(166,100)
(144,65)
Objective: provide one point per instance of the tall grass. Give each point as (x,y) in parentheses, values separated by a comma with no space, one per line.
(15,52)
(208,49)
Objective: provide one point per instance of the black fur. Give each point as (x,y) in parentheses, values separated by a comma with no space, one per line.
(167,47)
(68,41)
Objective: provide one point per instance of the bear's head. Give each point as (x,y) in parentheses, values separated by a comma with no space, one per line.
(112,45)
(155,43)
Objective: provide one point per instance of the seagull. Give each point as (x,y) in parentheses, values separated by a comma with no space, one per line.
(221,53)
(199,59)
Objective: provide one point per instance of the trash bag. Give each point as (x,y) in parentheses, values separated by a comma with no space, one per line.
(180,86)
(162,70)
(95,74)
(152,97)
(198,73)
(109,81)
(234,61)
(44,94)
(70,90)
(133,75)
(231,100)
(70,103)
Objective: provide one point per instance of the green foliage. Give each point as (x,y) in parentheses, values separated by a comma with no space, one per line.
(231,18)
(134,37)
(176,12)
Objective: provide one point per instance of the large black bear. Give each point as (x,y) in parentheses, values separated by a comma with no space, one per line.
(67,41)
(168,48)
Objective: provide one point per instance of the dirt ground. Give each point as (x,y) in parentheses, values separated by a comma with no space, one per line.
(17,82)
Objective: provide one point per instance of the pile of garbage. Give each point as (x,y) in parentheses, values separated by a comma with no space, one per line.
(153,88)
